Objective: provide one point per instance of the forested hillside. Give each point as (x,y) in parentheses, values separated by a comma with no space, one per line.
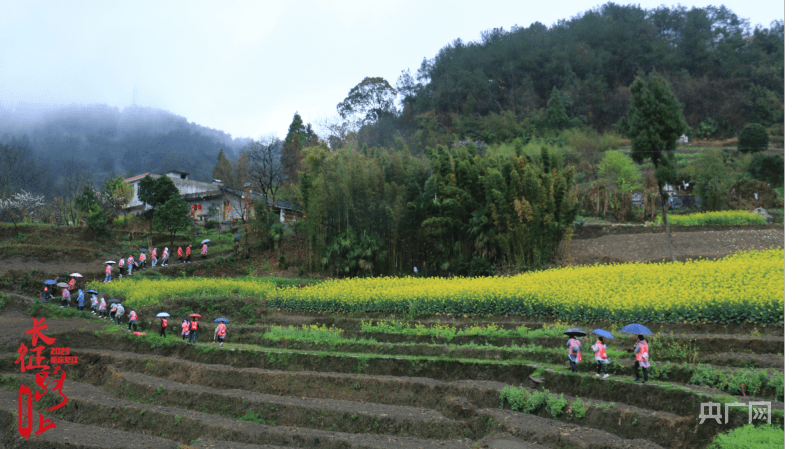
(517,83)
(106,141)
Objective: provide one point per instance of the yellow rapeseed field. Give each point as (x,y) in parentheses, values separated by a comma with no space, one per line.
(723,218)
(142,292)
(747,286)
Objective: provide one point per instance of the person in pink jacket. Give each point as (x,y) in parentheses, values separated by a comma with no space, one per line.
(154,257)
(641,359)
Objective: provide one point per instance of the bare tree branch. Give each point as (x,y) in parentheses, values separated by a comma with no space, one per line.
(264,168)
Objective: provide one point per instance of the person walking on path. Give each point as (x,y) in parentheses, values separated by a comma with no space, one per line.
(121,267)
(163,327)
(185,329)
(154,257)
(120,313)
(45,293)
(81,299)
(112,312)
(574,353)
(142,261)
(130,262)
(103,308)
(204,251)
(220,332)
(180,254)
(194,327)
(66,298)
(600,349)
(133,320)
(72,283)
(93,306)
(108,270)
(188,254)
(165,257)
(641,359)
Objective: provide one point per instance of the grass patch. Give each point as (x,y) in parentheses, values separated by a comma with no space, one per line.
(750,437)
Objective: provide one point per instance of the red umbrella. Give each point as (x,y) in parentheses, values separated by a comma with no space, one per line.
(193,315)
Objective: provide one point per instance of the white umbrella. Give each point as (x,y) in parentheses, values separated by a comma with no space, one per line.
(205,241)
(76,275)
(163,315)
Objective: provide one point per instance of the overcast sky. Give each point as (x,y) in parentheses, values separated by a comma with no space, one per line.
(245,67)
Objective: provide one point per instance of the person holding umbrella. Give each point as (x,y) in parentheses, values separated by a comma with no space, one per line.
(204,251)
(66,298)
(72,283)
(93,301)
(163,316)
(221,330)
(640,350)
(46,292)
(600,351)
(108,270)
(641,359)
(574,346)
(112,312)
(154,257)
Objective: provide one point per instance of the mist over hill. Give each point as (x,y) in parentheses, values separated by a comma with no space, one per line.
(109,142)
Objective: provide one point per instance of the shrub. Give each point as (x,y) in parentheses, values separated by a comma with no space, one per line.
(768,168)
(753,138)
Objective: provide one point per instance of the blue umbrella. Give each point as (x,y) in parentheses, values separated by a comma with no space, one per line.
(603,333)
(221,320)
(636,329)
(237,238)
(93,291)
(50,282)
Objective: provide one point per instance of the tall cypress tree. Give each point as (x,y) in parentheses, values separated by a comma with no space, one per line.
(655,124)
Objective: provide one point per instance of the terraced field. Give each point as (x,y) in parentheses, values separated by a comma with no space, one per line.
(343,381)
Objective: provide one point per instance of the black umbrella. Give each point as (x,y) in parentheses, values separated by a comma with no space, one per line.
(114,301)
(574,331)
(144,250)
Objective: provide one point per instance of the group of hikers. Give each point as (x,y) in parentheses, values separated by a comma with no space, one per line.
(114,310)
(132,265)
(600,352)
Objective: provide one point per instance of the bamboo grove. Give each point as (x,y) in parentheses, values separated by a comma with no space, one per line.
(453,211)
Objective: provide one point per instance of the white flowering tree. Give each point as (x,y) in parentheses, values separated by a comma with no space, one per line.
(19,206)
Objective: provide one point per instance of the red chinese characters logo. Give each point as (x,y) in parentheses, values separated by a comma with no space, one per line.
(46,380)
